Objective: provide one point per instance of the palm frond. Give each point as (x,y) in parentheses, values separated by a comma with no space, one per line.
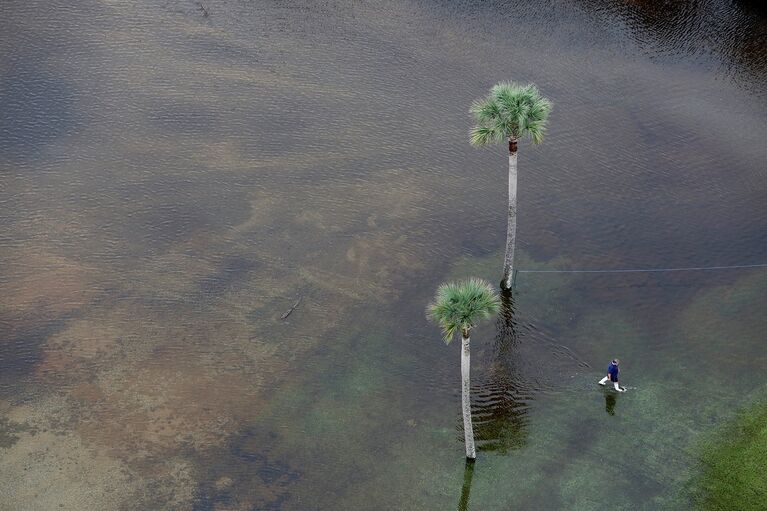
(521,122)
(484,135)
(505,90)
(536,130)
(486,111)
(539,109)
(510,110)
(458,306)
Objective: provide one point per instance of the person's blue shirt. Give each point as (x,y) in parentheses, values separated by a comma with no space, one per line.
(612,371)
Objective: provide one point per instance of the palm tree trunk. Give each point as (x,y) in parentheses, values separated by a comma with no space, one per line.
(511,230)
(468,430)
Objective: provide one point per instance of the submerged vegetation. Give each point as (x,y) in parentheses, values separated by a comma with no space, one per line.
(734,464)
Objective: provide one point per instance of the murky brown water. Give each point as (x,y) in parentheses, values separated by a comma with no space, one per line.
(175,178)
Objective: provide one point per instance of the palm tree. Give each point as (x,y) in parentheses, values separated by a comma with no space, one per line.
(456,308)
(510,112)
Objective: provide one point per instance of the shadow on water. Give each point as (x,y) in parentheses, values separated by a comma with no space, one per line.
(610,400)
(501,402)
(502,399)
(506,329)
(468,475)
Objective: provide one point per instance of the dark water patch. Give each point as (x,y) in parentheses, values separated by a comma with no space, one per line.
(248,477)
(36,108)
(188,119)
(735,33)
(480,241)
(21,348)
(163,224)
(249,449)
(157,212)
(258,57)
(232,271)
(9,432)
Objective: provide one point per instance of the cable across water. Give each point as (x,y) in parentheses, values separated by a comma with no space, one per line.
(650,270)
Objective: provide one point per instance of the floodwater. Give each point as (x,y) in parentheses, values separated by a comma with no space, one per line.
(175,177)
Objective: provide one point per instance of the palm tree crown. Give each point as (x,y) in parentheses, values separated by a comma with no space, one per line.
(459,305)
(510,111)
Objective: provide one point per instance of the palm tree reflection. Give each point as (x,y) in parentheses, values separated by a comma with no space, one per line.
(468,474)
(501,401)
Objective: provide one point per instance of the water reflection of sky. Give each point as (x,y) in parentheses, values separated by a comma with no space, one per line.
(173,183)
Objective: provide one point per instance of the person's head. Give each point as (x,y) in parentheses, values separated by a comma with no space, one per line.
(616,361)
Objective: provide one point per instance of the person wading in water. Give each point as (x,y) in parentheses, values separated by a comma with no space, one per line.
(612,375)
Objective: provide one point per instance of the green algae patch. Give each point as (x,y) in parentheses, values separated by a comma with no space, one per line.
(733,464)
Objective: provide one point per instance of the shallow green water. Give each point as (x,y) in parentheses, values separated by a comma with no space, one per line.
(733,459)
(174,179)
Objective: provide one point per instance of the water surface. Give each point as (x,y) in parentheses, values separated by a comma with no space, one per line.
(175,178)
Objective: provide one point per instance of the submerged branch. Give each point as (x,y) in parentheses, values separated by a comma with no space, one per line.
(290,311)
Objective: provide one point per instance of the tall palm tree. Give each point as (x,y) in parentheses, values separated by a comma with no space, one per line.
(457,307)
(510,112)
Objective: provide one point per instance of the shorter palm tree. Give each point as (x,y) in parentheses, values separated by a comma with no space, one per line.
(457,307)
